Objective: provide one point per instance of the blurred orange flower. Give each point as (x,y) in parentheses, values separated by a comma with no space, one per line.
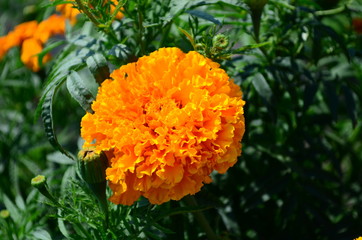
(166,121)
(68,11)
(30,48)
(54,25)
(357,25)
(31,36)
(17,36)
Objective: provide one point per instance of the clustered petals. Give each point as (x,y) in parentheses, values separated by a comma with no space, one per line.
(166,122)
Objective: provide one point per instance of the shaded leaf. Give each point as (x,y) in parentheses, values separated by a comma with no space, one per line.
(47,117)
(13,210)
(350,104)
(309,95)
(120,51)
(203,15)
(79,92)
(262,87)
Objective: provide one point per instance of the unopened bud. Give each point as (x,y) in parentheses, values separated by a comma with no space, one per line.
(220,41)
(40,183)
(92,165)
(4,213)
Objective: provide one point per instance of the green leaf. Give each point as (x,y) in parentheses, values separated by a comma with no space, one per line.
(58,76)
(330,91)
(309,95)
(163,229)
(59,158)
(203,15)
(47,49)
(41,234)
(62,227)
(262,87)
(47,117)
(189,37)
(20,202)
(13,210)
(350,104)
(249,47)
(95,62)
(79,92)
(120,51)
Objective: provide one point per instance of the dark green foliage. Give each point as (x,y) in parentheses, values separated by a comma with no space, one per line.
(299,174)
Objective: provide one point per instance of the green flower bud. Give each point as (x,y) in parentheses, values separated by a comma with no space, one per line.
(220,41)
(39,182)
(92,165)
(4,213)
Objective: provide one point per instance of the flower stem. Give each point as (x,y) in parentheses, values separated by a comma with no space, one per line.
(200,217)
(86,12)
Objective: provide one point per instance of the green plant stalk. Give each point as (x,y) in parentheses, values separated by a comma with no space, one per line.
(256,19)
(105,28)
(99,190)
(200,217)
(321,12)
(86,12)
(116,10)
(140,29)
(333,11)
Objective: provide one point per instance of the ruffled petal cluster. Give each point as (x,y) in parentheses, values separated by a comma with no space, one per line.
(166,122)
(31,36)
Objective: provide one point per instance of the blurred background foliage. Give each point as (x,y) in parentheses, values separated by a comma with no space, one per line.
(299,175)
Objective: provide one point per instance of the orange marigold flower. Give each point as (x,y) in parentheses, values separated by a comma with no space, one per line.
(51,26)
(166,122)
(31,36)
(2,48)
(359,238)
(17,36)
(68,11)
(30,48)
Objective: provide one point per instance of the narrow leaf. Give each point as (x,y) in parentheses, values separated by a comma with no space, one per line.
(13,210)
(62,227)
(204,15)
(350,104)
(249,47)
(262,87)
(47,49)
(46,115)
(189,37)
(309,95)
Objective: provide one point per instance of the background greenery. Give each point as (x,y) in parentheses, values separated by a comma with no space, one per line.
(299,176)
